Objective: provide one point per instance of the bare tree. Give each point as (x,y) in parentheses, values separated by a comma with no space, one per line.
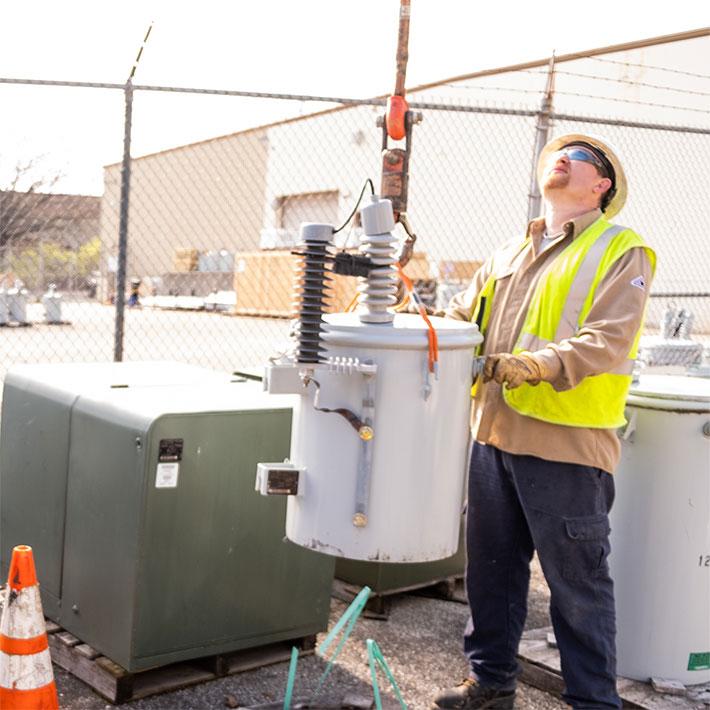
(23,202)
(45,237)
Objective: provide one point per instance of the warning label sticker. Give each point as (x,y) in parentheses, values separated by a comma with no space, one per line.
(166,475)
(699,661)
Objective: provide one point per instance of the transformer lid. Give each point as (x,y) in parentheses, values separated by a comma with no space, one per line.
(406,332)
(671,392)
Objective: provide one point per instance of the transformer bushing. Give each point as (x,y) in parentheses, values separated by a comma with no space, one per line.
(378,291)
(311,287)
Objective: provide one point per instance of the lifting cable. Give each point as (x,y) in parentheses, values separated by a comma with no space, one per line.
(397,105)
(397,125)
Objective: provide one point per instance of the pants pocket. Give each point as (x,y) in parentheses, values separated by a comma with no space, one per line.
(586,547)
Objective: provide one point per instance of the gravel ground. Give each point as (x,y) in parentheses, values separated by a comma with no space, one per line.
(420,641)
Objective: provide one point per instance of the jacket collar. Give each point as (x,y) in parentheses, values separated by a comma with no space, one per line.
(573,228)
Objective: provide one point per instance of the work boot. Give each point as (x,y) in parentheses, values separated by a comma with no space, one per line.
(470,694)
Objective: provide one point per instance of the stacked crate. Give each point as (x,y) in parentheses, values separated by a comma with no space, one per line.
(263,283)
(185,260)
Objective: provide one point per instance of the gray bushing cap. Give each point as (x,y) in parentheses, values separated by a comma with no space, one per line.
(377,217)
(316,232)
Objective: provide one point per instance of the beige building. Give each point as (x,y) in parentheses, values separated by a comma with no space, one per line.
(202,197)
(471,167)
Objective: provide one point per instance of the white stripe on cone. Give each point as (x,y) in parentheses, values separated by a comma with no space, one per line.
(22,617)
(26,672)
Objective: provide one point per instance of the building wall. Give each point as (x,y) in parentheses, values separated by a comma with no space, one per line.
(207,196)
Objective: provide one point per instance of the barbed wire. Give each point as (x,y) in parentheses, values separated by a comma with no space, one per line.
(585,76)
(634,83)
(494,88)
(621,81)
(648,66)
(692,130)
(589,96)
(631,101)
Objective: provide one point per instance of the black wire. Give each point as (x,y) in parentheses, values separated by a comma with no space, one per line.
(367,182)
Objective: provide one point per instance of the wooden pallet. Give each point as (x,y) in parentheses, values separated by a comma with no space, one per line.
(118,685)
(540,660)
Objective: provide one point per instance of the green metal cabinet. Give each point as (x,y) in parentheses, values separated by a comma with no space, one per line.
(135,487)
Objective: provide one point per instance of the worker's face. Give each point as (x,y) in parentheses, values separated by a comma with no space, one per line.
(572,174)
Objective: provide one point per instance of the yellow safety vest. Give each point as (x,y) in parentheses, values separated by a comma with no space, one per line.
(557,311)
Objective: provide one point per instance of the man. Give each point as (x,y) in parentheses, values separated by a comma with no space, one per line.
(561,312)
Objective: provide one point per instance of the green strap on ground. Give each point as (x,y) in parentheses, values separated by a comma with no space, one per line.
(349,617)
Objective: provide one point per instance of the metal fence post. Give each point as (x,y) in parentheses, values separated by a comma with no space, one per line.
(123,226)
(542,136)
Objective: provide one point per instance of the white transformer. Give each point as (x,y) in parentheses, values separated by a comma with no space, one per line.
(17,303)
(380,441)
(660,537)
(52,302)
(4,308)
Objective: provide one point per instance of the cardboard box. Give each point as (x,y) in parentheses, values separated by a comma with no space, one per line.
(185,260)
(264,283)
(458,270)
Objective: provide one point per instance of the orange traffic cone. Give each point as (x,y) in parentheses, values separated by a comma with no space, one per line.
(26,678)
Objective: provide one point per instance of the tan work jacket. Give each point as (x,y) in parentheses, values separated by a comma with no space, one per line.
(601,345)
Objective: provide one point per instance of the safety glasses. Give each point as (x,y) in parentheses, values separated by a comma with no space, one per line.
(576,153)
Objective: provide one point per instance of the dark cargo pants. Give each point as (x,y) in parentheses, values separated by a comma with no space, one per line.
(518,504)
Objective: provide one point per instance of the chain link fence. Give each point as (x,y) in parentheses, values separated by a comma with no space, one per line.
(185,254)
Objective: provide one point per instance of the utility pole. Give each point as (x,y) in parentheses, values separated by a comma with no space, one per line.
(123,213)
(542,136)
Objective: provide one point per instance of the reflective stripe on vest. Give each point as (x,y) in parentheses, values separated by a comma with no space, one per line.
(576,296)
(583,279)
(598,401)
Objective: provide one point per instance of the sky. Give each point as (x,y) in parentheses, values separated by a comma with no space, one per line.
(315,47)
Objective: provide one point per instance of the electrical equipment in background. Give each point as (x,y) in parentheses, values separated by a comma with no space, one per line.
(660,531)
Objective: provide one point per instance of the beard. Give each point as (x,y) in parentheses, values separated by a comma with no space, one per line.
(555,181)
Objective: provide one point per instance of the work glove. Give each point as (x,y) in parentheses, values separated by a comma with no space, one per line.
(513,369)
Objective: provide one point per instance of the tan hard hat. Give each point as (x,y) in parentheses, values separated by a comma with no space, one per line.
(601,144)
